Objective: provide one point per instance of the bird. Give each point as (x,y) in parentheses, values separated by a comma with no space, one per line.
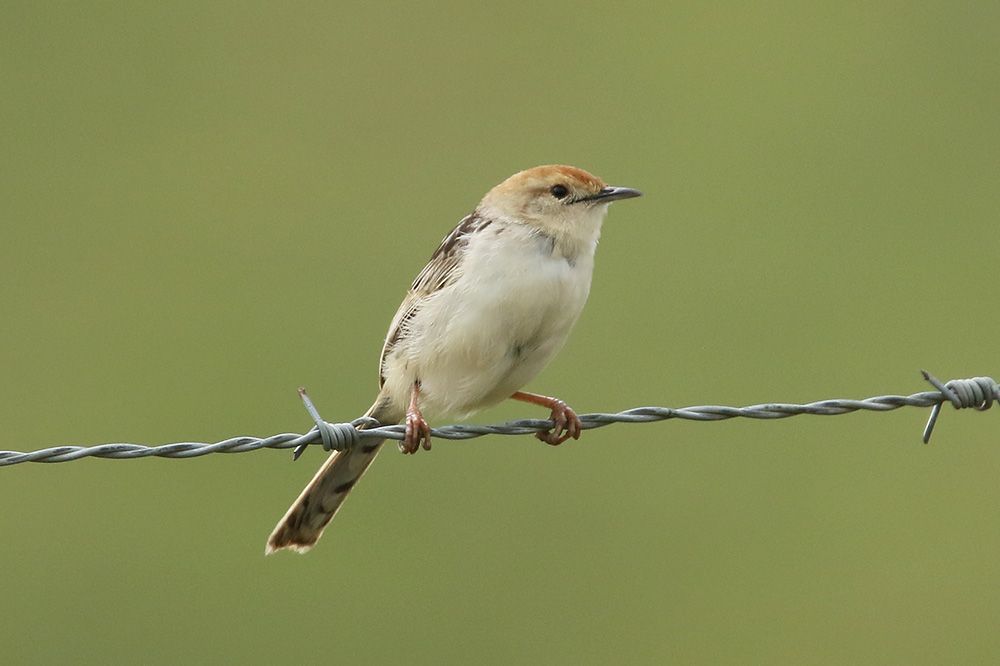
(494,304)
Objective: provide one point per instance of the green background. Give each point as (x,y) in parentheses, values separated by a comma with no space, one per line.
(207,205)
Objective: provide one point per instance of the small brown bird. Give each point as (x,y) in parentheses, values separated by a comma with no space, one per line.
(494,304)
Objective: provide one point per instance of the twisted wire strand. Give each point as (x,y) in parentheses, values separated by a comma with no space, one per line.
(978,393)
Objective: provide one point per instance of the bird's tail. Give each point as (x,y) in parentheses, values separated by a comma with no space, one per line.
(305,520)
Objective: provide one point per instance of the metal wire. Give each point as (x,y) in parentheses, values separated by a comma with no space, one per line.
(978,393)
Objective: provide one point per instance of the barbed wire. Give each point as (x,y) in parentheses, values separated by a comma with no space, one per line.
(978,393)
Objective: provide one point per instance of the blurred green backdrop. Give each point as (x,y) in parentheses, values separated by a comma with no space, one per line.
(207,205)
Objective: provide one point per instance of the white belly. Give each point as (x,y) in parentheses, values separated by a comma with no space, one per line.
(484,337)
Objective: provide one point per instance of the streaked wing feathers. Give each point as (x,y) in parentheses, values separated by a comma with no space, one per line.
(439,272)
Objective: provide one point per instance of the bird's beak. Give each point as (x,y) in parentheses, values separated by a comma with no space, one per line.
(615,193)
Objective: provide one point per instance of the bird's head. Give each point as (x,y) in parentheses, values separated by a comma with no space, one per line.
(561,201)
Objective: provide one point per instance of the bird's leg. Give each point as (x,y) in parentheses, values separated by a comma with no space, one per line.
(417,429)
(564,418)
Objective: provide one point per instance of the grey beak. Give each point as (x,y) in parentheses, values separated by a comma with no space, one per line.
(615,193)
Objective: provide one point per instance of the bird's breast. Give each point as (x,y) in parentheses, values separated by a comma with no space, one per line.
(528,290)
(489,333)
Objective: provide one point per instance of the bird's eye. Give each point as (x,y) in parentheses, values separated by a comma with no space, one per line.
(559,191)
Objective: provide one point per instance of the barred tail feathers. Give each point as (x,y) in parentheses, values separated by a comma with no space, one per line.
(303,523)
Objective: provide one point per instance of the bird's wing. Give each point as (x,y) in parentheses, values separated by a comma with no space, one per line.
(442,270)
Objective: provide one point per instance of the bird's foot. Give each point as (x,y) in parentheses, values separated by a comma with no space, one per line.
(417,432)
(567,424)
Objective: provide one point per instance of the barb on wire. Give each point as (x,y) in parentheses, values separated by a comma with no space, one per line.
(978,393)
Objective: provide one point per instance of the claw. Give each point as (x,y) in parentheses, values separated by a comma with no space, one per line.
(567,424)
(418,431)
